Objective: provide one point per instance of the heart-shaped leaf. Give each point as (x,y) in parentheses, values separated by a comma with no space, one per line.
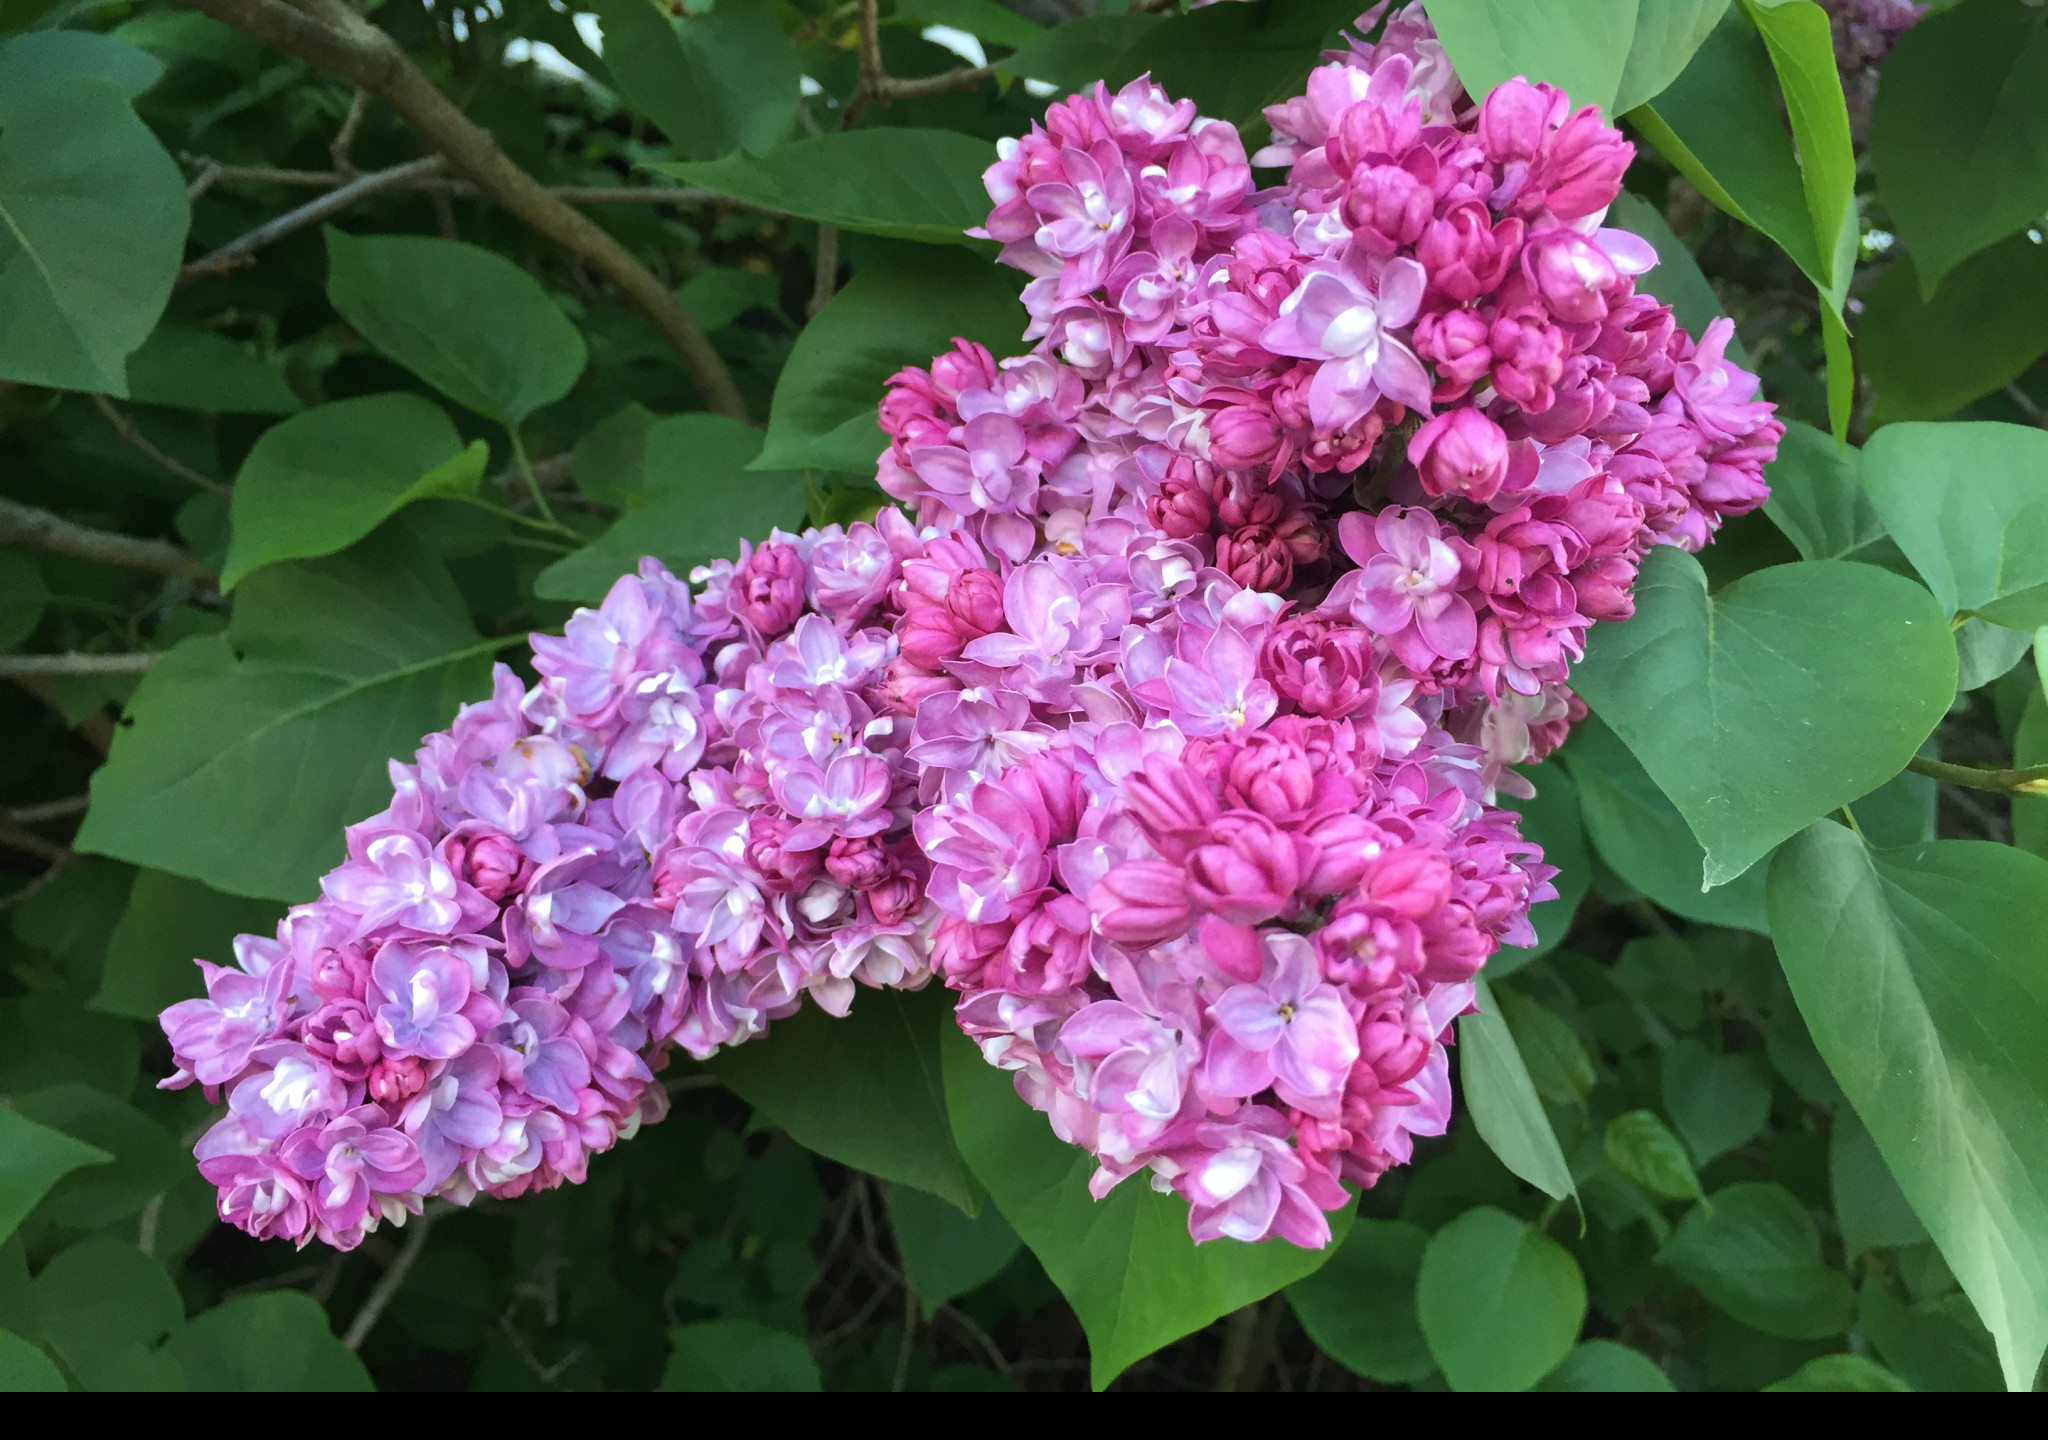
(1504,1103)
(1795,690)
(1500,1301)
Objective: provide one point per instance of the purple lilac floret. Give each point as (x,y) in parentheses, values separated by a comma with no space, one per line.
(1170,735)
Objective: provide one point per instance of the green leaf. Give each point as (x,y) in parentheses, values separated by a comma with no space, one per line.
(738,1355)
(321,481)
(1601,1365)
(1664,973)
(330,668)
(50,1037)
(105,1308)
(77,54)
(719,294)
(92,222)
(147,1159)
(1668,34)
(1796,689)
(1126,1264)
(1638,1145)
(1922,976)
(275,1342)
(1816,498)
(1937,1344)
(1676,278)
(1580,46)
(1755,1253)
(901,310)
(1958,131)
(1557,1063)
(983,19)
(25,1369)
(33,1159)
(1080,52)
(1985,325)
(1500,1301)
(903,183)
(717,81)
(1840,1372)
(1869,1207)
(1718,1101)
(699,500)
(2029,748)
(945,1252)
(1503,1100)
(1643,838)
(1968,503)
(1551,819)
(1232,60)
(23,596)
(464,319)
(171,921)
(1360,1307)
(1797,33)
(867,1090)
(198,370)
(611,457)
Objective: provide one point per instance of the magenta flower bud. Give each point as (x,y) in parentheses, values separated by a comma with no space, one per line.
(1141,903)
(1466,254)
(929,636)
(1395,1042)
(1387,208)
(341,1033)
(1344,846)
(895,898)
(1604,589)
(1582,166)
(488,860)
(1409,881)
(340,974)
(1181,509)
(861,863)
(1528,358)
(1269,777)
(1571,273)
(395,1079)
(1455,341)
(1172,802)
(768,590)
(967,366)
(1243,437)
(1233,949)
(1325,670)
(1255,558)
(786,871)
(1515,119)
(975,601)
(1248,871)
(1460,452)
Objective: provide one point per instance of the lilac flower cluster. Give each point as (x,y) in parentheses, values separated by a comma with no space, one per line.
(700,814)
(1294,520)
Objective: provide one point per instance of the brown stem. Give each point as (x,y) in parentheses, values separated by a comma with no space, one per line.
(13,837)
(211,172)
(125,428)
(131,663)
(879,83)
(345,138)
(2033,781)
(242,249)
(40,530)
(330,35)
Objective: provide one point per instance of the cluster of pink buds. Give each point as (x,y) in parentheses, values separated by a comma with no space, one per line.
(1169,735)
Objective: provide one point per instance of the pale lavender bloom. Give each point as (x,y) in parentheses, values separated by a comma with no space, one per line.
(1085,221)
(397,879)
(847,797)
(215,1037)
(663,726)
(291,1087)
(1221,690)
(558,918)
(455,1114)
(423,989)
(975,733)
(348,1162)
(541,1052)
(1128,1061)
(1289,1029)
(1409,588)
(817,655)
(1056,622)
(1336,318)
(991,475)
(601,650)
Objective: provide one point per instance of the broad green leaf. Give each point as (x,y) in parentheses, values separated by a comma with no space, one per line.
(697,501)
(719,80)
(1080,52)
(1643,838)
(1959,129)
(901,310)
(1755,1253)
(904,183)
(321,481)
(464,319)
(1638,1145)
(1233,60)
(105,1308)
(1555,1058)
(274,1342)
(1605,1365)
(738,1355)
(77,54)
(1816,498)
(1500,1302)
(866,1090)
(1984,652)
(1676,278)
(611,456)
(983,19)
(1869,1207)
(1717,1101)
(171,921)
(945,1252)
(1551,819)
(1360,1307)
(1126,1264)
(1580,46)
(1503,1100)
(1922,976)
(1801,45)
(719,294)
(92,225)
(147,1159)
(198,370)
(1968,503)
(1668,33)
(71,918)
(1796,689)
(33,1159)
(50,1037)
(23,596)
(1664,973)
(1840,1373)
(24,1369)
(331,668)
(1936,1344)
(1984,326)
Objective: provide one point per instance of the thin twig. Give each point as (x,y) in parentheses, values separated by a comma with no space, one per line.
(40,530)
(828,270)
(13,837)
(242,249)
(465,190)
(2026,404)
(389,1282)
(28,891)
(332,36)
(77,663)
(876,81)
(95,729)
(125,428)
(209,174)
(345,138)
(50,810)
(2033,781)
(145,1229)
